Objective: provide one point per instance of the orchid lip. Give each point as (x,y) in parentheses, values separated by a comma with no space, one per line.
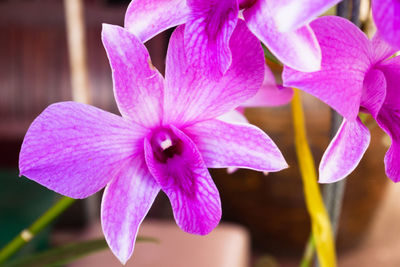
(165,144)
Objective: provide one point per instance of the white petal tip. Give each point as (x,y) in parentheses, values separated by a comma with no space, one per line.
(231,170)
(325,179)
(283,166)
(106,26)
(122,259)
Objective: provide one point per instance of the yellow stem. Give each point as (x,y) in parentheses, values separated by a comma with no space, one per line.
(321,226)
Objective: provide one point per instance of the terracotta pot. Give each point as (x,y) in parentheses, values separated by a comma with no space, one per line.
(273,207)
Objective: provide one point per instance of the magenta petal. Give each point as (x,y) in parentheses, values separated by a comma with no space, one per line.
(147,18)
(234,116)
(138,86)
(297,49)
(224,145)
(190,96)
(344,152)
(186,181)
(270,94)
(374,91)
(290,15)
(389,116)
(391,70)
(381,49)
(207,34)
(126,201)
(389,120)
(76,149)
(345,61)
(386,15)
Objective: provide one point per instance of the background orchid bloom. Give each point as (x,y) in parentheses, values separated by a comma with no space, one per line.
(386,15)
(166,138)
(282,25)
(356,75)
(270,93)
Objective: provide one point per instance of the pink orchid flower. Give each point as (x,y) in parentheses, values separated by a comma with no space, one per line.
(356,75)
(386,15)
(282,25)
(270,93)
(166,139)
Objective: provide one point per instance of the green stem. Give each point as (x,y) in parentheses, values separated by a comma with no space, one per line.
(27,234)
(308,255)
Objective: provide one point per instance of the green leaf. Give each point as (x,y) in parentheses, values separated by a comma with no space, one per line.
(66,253)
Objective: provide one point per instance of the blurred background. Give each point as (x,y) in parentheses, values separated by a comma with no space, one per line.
(264,223)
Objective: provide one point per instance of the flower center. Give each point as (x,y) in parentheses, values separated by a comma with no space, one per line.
(165,144)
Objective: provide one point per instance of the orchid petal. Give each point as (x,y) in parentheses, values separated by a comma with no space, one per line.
(270,94)
(374,91)
(344,152)
(186,181)
(190,96)
(76,149)
(389,116)
(386,15)
(389,120)
(207,34)
(381,49)
(126,201)
(147,18)
(391,70)
(293,14)
(224,144)
(297,49)
(345,61)
(138,86)
(233,116)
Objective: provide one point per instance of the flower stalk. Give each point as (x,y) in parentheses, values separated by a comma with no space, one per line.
(29,233)
(321,226)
